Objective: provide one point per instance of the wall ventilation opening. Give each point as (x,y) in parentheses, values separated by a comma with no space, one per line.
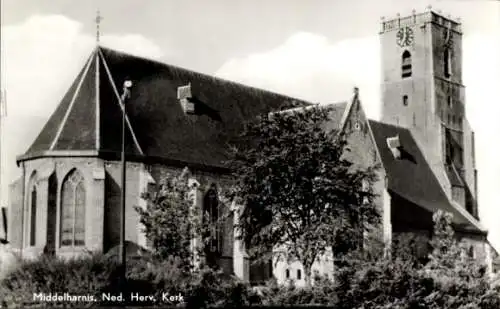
(184,95)
(405,100)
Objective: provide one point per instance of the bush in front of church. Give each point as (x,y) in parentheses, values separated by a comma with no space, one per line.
(91,274)
(322,292)
(201,287)
(448,280)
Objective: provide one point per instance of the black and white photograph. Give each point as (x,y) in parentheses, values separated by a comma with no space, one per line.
(256,154)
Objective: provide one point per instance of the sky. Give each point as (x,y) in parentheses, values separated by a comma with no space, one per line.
(314,50)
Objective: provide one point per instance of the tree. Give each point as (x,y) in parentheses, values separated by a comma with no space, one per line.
(460,281)
(164,219)
(297,190)
(171,222)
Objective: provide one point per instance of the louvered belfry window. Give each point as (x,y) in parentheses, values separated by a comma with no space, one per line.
(447,63)
(73,210)
(406,64)
(212,213)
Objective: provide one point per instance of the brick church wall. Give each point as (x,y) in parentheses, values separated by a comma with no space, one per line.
(363,154)
(56,170)
(112,203)
(160,172)
(15,214)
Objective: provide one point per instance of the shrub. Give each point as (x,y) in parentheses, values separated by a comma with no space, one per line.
(91,274)
(200,288)
(449,280)
(321,293)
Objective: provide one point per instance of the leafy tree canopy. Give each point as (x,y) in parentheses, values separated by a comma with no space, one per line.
(297,189)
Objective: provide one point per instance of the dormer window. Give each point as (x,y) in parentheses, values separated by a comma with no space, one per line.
(184,96)
(406,64)
(395,146)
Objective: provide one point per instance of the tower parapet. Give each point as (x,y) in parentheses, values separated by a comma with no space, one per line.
(421,19)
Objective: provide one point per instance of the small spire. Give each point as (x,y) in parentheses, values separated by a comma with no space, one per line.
(429,7)
(356,91)
(98,20)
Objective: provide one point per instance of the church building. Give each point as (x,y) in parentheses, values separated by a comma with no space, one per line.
(67,200)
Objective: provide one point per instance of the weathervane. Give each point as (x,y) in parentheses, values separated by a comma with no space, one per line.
(98,19)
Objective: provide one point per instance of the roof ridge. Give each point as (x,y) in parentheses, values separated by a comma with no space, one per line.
(220,79)
(390,125)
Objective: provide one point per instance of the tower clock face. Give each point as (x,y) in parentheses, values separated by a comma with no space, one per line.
(404,36)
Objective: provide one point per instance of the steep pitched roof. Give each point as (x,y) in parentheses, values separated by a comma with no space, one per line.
(410,176)
(88,119)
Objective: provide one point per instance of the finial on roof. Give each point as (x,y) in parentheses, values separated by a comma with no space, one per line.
(398,15)
(429,7)
(98,20)
(356,91)
(414,11)
(382,18)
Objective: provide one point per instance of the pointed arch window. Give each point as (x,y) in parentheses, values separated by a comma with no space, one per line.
(73,201)
(33,204)
(406,64)
(212,213)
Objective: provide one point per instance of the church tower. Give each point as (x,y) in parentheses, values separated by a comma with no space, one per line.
(422,90)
